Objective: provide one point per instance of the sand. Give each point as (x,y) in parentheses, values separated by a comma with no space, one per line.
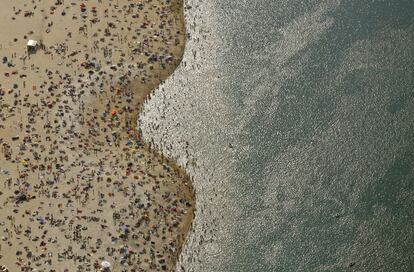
(79,187)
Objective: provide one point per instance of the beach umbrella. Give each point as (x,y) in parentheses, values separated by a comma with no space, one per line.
(106,264)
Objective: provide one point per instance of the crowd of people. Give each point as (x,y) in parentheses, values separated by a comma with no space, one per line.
(81,190)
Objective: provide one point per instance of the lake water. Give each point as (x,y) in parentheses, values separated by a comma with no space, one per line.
(296,120)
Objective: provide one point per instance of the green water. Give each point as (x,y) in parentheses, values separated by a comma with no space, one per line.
(330,133)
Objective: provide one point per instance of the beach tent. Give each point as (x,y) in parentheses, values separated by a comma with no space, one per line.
(31,45)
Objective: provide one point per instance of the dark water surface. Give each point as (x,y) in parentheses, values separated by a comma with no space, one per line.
(298,119)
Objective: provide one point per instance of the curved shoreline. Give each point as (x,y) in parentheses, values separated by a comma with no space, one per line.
(143,96)
(182,173)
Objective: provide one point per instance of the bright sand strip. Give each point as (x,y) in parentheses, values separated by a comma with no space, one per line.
(78,185)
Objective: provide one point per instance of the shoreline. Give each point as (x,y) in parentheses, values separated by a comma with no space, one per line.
(88,155)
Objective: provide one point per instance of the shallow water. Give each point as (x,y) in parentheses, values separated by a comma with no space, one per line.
(298,120)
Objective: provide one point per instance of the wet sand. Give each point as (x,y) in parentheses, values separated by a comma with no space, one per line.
(78,184)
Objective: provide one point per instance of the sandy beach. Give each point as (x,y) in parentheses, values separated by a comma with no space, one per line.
(80,190)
